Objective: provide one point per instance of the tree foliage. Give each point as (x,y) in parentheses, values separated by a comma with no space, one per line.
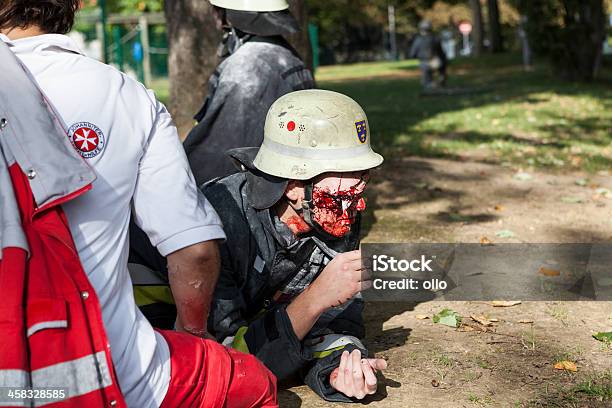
(126,6)
(569,32)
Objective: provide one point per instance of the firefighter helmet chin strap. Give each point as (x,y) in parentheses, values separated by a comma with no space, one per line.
(232,41)
(308,215)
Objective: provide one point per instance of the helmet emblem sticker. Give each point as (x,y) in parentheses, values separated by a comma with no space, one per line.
(87,139)
(362,131)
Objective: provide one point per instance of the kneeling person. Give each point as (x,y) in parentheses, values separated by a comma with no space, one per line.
(289,286)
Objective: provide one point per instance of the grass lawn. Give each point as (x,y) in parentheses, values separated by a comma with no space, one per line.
(502,114)
(450,176)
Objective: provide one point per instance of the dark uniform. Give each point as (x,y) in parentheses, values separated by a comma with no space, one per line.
(241,90)
(427,48)
(264,267)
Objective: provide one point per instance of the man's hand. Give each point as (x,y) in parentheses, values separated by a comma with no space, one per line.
(338,282)
(341,279)
(193,273)
(356,377)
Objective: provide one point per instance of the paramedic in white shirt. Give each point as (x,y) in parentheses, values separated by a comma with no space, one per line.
(128,138)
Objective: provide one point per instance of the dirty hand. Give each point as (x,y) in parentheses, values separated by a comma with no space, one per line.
(341,279)
(355,377)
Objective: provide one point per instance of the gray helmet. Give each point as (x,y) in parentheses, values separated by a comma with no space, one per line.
(425,26)
(259,17)
(307,133)
(315,131)
(251,5)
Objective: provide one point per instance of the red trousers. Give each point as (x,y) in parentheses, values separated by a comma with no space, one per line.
(205,374)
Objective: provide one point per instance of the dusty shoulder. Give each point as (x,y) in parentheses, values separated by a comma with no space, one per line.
(256,60)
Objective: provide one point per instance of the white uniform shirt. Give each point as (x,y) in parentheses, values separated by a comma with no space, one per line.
(131,143)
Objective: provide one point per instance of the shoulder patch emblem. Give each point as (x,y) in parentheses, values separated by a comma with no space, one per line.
(87,139)
(362,131)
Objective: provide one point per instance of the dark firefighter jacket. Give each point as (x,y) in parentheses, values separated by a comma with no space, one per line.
(261,259)
(427,47)
(241,90)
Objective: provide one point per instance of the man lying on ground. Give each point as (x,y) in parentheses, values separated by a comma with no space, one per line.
(291,273)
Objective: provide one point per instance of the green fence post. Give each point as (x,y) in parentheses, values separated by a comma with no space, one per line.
(102,4)
(313,32)
(118,46)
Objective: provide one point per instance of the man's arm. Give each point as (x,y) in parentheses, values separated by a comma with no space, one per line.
(339,282)
(193,274)
(178,221)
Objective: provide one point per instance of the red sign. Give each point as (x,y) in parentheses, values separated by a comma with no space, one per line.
(465,27)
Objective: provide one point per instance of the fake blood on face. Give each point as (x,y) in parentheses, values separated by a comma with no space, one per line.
(336,212)
(297,225)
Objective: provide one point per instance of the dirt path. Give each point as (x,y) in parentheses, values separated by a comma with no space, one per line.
(510,364)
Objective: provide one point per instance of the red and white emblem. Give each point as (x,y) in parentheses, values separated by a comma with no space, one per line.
(87,139)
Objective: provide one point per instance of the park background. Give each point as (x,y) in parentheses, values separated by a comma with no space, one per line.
(516,149)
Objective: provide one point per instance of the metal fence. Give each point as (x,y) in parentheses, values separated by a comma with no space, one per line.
(135,44)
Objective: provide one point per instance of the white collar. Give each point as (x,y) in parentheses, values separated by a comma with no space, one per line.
(42,42)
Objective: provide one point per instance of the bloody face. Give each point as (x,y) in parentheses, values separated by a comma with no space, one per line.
(337,198)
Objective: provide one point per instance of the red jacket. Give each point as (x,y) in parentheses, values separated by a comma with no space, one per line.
(51,330)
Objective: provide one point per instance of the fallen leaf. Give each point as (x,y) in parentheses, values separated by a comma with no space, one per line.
(505,303)
(582,182)
(548,271)
(447,317)
(421,317)
(505,234)
(603,281)
(604,192)
(576,161)
(525,321)
(485,241)
(572,200)
(458,217)
(605,337)
(566,366)
(482,320)
(522,176)
(499,207)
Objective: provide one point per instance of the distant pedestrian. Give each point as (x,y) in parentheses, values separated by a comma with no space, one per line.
(428,49)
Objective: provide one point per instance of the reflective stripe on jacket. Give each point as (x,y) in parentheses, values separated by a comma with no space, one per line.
(51,329)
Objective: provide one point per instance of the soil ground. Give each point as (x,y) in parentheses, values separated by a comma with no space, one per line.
(515,150)
(510,364)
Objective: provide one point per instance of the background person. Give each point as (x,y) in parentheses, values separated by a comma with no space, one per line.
(427,48)
(258,66)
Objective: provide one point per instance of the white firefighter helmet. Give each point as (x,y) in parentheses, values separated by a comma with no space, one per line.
(252,5)
(311,132)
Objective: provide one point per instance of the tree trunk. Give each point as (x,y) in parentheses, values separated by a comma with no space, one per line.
(585,40)
(494,26)
(301,40)
(477,28)
(192,40)
(570,32)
